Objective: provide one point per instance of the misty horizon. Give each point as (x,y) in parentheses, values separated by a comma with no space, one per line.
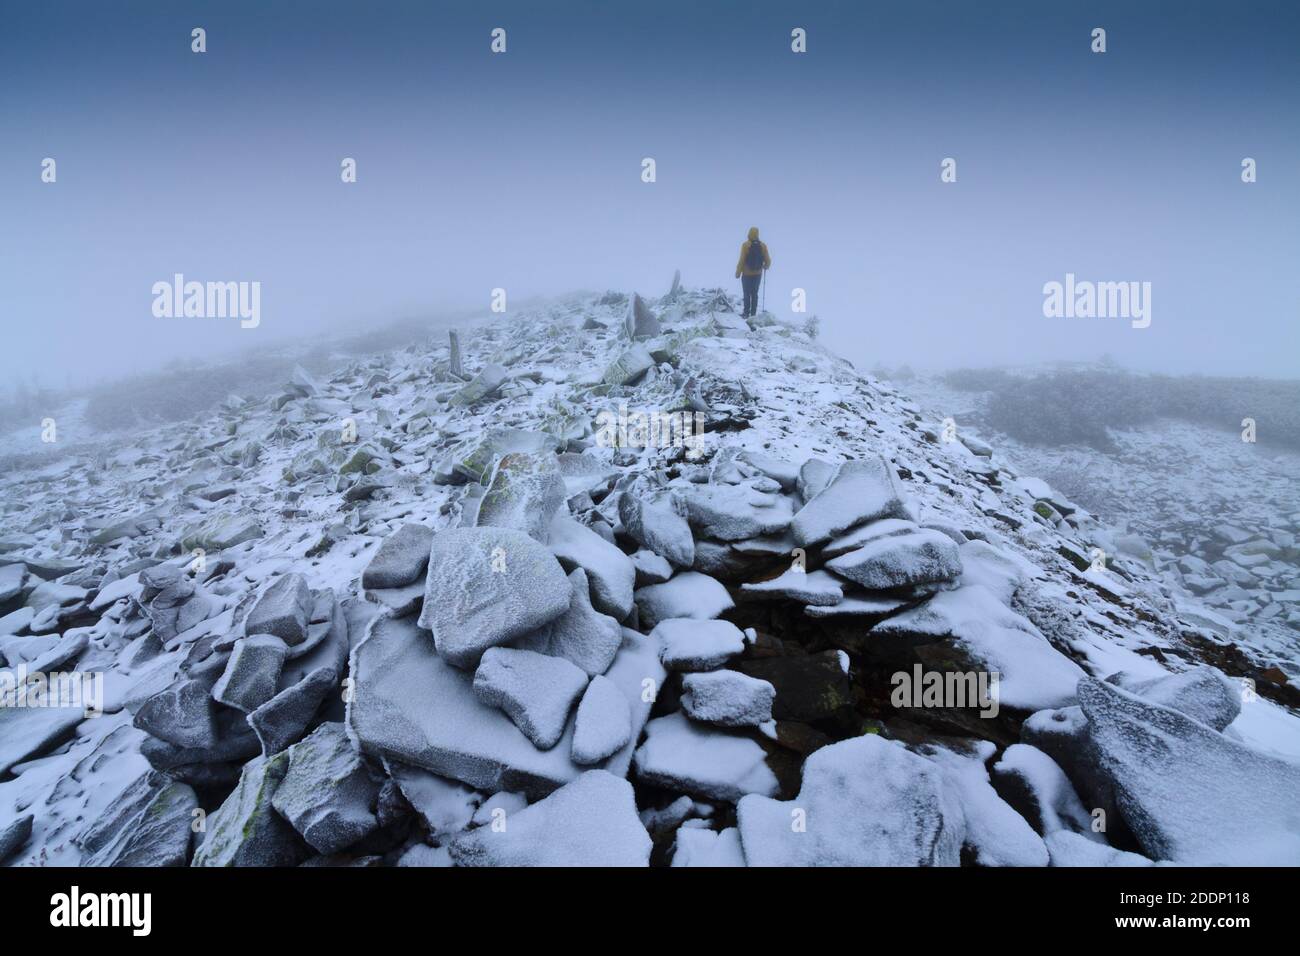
(477,172)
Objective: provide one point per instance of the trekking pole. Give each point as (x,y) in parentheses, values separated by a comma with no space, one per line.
(763,290)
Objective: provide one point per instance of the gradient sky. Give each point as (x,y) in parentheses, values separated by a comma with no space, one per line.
(523,170)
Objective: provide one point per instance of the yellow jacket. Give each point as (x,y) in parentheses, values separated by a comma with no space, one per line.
(744,251)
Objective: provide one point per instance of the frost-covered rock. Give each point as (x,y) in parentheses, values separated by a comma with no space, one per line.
(1036,786)
(629,366)
(895,561)
(252,673)
(727,698)
(1202,693)
(535,690)
(445,806)
(283,609)
(327,793)
(284,718)
(696,846)
(859,490)
(590,822)
(640,322)
(818,588)
(864,802)
(610,573)
(681,755)
(1067,848)
(411,705)
(401,560)
(1182,787)
(691,645)
(656,525)
(996,834)
(735,512)
(14,835)
(157,834)
(1033,675)
(182,715)
(688,595)
(246,830)
(482,385)
(486,587)
(525,493)
(581,635)
(603,725)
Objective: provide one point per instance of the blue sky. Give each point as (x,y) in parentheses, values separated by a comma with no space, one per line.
(523,170)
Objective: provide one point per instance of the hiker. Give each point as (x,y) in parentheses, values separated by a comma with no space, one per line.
(749,269)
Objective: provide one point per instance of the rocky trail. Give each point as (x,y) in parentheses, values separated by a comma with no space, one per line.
(640,582)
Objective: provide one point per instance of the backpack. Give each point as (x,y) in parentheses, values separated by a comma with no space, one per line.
(754,256)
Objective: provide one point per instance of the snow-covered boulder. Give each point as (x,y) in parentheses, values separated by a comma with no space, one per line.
(688,595)
(589,822)
(681,755)
(896,561)
(603,725)
(689,645)
(865,801)
(536,691)
(859,490)
(486,587)
(610,573)
(727,698)
(1188,793)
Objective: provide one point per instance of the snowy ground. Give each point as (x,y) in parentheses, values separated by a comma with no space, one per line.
(392,614)
(1219,517)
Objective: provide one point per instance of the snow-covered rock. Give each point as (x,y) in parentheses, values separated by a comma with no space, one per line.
(327,793)
(536,691)
(727,698)
(681,755)
(688,595)
(1182,786)
(690,645)
(896,561)
(486,587)
(603,724)
(589,822)
(863,802)
(860,490)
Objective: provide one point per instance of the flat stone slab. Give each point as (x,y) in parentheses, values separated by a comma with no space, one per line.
(902,560)
(488,586)
(610,573)
(688,595)
(536,691)
(657,526)
(681,755)
(727,698)
(1188,793)
(818,588)
(603,725)
(689,645)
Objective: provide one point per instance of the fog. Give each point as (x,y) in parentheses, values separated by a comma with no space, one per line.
(523,171)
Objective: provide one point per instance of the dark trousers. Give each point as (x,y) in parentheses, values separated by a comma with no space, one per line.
(750,285)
